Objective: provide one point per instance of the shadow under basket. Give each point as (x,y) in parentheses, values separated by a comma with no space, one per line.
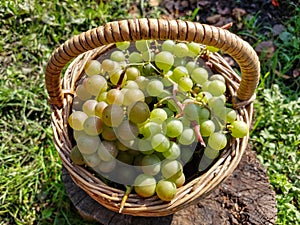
(92,44)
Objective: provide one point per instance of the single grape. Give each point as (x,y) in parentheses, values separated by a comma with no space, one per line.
(106,166)
(107,150)
(205,85)
(93,126)
(159,113)
(151,164)
(115,96)
(144,185)
(204,114)
(171,169)
(187,136)
(130,84)
(142,82)
(92,67)
(178,73)
(166,190)
(179,181)
(173,127)
(88,144)
(95,84)
(100,106)
(142,45)
(239,129)
(160,142)
(133,95)
(181,50)
(230,115)
(78,133)
(164,60)
(91,160)
(123,45)
(132,73)
(135,57)
(218,106)
(217,141)
(155,87)
(207,128)
(217,87)
(76,120)
(127,131)
(108,134)
(151,128)
(89,107)
(185,84)
(82,93)
(76,156)
(112,115)
(138,112)
(168,46)
(194,49)
(173,152)
(190,66)
(217,77)
(109,65)
(199,75)
(117,56)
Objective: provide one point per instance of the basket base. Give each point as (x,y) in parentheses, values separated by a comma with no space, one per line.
(244,198)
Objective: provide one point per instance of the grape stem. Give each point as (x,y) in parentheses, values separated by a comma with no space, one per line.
(196,127)
(125,197)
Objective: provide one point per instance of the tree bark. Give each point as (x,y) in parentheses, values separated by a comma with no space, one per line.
(244,198)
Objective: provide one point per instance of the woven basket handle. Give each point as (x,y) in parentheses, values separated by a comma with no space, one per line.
(156,29)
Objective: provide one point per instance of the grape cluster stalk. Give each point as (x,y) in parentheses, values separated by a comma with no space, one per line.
(143,112)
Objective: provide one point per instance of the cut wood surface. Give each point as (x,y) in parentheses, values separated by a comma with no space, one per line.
(245,197)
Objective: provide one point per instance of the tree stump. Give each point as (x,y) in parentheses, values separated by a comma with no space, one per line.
(244,198)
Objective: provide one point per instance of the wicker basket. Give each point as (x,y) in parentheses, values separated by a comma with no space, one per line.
(91,44)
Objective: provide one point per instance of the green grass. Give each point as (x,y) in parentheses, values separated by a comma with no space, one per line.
(31,190)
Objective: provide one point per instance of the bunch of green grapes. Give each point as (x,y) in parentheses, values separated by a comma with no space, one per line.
(139,114)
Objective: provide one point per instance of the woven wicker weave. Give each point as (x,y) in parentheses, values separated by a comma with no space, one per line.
(93,43)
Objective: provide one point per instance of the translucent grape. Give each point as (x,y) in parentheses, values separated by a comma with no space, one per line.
(123,45)
(173,152)
(173,127)
(127,130)
(144,185)
(179,181)
(112,115)
(132,73)
(132,96)
(142,45)
(138,112)
(190,66)
(160,142)
(106,166)
(191,112)
(117,56)
(217,141)
(155,87)
(217,77)
(150,129)
(185,84)
(95,84)
(100,106)
(135,57)
(88,144)
(181,50)
(89,107)
(168,46)
(92,67)
(239,129)
(115,77)
(187,136)
(109,65)
(171,169)
(91,160)
(159,113)
(76,156)
(107,150)
(217,87)
(207,128)
(199,75)
(108,134)
(115,96)
(93,125)
(151,164)
(179,72)
(76,120)
(166,190)
(142,82)
(230,115)
(82,93)
(164,60)
(194,49)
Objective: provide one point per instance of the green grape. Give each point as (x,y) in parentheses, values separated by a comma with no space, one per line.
(76,156)
(150,129)
(100,106)
(160,142)
(205,85)
(95,84)
(173,152)
(230,115)
(204,114)
(144,185)
(142,45)
(194,49)
(102,97)
(173,127)
(217,77)
(125,157)
(179,61)
(123,45)
(115,77)
(211,153)
(151,164)
(88,144)
(218,106)
(199,75)
(217,87)
(179,72)
(164,60)
(127,131)
(171,169)
(166,190)
(132,73)
(179,181)
(181,50)
(109,65)
(148,56)
(112,115)
(190,66)
(187,136)
(106,166)
(93,126)
(76,120)
(130,84)
(191,111)
(82,93)
(91,160)
(168,46)
(142,82)
(89,107)
(92,67)
(78,133)
(217,141)
(239,129)
(117,56)
(138,112)
(133,95)
(115,96)
(207,128)
(108,134)
(107,150)
(155,87)
(185,84)
(135,57)
(159,113)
